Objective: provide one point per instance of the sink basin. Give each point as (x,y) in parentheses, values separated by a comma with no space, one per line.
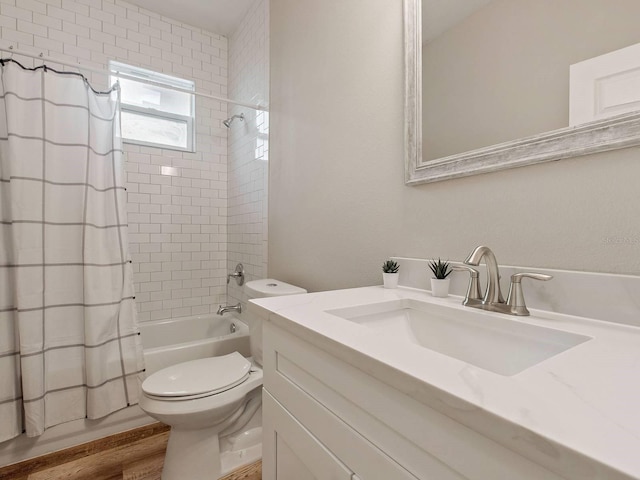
(490,341)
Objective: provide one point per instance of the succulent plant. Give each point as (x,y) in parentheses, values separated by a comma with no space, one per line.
(390,267)
(440,269)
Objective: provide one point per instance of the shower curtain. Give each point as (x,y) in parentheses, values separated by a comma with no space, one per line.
(69,343)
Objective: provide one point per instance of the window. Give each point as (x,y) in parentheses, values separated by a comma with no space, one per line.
(152,115)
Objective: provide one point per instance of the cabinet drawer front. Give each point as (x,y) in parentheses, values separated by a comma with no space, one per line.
(357,452)
(294,453)
(291,386)
(411,434)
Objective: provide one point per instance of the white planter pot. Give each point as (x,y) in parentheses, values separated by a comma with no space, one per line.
(440,287)
(390,280)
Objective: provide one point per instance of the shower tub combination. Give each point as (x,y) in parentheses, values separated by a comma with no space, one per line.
(165,343)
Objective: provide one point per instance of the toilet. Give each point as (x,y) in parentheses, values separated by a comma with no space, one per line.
(207,400)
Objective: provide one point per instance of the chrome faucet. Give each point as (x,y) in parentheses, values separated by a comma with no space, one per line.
(492,299)
(229,308)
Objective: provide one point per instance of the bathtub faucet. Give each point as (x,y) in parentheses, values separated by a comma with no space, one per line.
(230,308)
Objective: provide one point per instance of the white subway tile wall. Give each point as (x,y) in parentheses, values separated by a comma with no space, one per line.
(249,147)
(177,201)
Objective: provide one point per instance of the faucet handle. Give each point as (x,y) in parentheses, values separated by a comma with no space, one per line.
(515,299)
(473,290)
(517,277)
(238,274)
(465,268)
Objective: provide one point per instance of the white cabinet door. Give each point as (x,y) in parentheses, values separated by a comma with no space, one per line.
(604,86)
(291,452)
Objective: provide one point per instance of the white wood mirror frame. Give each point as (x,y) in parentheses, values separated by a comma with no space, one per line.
(612,133)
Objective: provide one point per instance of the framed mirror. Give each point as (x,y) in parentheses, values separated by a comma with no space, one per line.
(557,140)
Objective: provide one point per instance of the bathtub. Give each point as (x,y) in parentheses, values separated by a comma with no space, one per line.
(177,340)
(164,343)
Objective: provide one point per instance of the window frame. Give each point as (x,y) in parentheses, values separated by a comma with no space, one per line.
(160,80)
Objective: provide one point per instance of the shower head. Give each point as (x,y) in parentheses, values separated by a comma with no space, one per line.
(227,123)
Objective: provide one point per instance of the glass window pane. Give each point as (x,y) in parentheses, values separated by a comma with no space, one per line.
(157,98)
(148,109)
(144,128)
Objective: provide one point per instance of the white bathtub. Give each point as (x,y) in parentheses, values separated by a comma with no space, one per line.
(176,340)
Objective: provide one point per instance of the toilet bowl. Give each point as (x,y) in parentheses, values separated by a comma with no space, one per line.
(208,399)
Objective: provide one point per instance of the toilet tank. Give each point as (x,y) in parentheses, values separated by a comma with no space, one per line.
(266,287)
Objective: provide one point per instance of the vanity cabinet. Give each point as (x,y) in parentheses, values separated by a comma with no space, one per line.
(325,418)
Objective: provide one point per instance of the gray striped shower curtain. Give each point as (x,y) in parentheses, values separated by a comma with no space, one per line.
(69,343)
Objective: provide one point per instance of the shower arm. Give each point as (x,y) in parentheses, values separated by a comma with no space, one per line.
(227,123)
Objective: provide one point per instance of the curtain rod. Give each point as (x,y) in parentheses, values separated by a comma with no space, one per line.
(41,56)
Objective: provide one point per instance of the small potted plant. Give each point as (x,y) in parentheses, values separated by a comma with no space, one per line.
(440,282)
(390,274)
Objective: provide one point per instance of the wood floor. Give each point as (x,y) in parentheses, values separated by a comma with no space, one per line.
(134,455)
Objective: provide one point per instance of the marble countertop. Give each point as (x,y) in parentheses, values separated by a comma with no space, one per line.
(577,413)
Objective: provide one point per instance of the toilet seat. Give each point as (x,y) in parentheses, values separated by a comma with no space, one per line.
(198,378)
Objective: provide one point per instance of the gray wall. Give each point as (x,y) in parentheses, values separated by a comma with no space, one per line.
(338,205)
(503,73)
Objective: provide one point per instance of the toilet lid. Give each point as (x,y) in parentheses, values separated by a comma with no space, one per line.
(206,375)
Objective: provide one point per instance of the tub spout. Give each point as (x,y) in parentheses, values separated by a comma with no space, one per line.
(229,308)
